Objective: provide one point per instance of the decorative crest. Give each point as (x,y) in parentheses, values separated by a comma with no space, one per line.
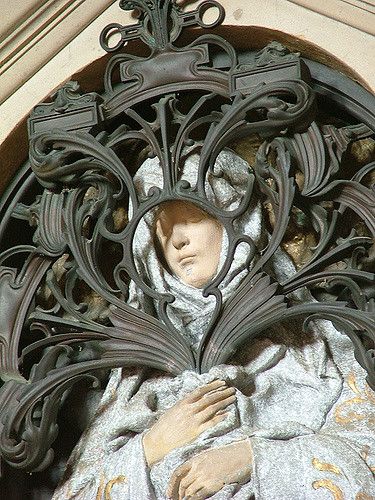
(160,23)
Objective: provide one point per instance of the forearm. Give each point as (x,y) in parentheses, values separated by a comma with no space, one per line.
(153,449)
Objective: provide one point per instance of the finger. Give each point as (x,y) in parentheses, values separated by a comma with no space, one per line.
(214,397)
(186,482)
(211,410)
(194,492)
(212,422)
(201,391)
(177,476)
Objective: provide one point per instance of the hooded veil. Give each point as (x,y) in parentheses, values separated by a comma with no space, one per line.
(225,186)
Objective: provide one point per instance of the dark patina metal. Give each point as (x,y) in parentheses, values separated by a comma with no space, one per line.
(83,151)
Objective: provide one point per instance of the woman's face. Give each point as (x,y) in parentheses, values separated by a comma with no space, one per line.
(190,240)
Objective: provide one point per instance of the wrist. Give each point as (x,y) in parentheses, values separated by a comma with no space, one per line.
(244,459)
(248,449)
(150,449)
(244,446)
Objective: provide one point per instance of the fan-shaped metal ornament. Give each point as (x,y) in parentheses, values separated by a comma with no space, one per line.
(64,314)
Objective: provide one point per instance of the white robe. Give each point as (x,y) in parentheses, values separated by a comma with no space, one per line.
(307,411)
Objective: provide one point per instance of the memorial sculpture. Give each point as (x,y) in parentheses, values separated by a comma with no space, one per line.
(258,341)
(264,425)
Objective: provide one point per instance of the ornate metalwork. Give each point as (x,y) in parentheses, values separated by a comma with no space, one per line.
(64,312)
(153,27)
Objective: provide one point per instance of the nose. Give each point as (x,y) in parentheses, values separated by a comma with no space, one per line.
(180,237)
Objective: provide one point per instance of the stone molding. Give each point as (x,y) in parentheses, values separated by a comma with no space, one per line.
(38,32)
(355,13)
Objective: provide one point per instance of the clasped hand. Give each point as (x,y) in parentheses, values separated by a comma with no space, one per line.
(187,419)
(207,473)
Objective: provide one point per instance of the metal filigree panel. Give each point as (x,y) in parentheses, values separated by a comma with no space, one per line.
(64,281)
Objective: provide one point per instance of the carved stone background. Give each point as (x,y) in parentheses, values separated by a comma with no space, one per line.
(307,133)
(32,31)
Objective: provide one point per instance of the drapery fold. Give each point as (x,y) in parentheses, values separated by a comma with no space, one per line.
(305,410)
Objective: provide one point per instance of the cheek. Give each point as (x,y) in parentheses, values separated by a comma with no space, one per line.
(208,247)
(170,254)
(211,234)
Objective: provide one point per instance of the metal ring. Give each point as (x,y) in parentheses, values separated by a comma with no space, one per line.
(204,7)
(103,39)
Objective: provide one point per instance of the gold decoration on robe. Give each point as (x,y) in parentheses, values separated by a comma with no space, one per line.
(99,494)
(106,488)
(364,496)
(352,383)
(110,485)
(324,466)
(352,416)
(360,398)
(332,487)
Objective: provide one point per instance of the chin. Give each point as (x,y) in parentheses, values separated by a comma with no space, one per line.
(197,282)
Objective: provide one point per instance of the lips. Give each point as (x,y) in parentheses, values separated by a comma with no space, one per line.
(188,259)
